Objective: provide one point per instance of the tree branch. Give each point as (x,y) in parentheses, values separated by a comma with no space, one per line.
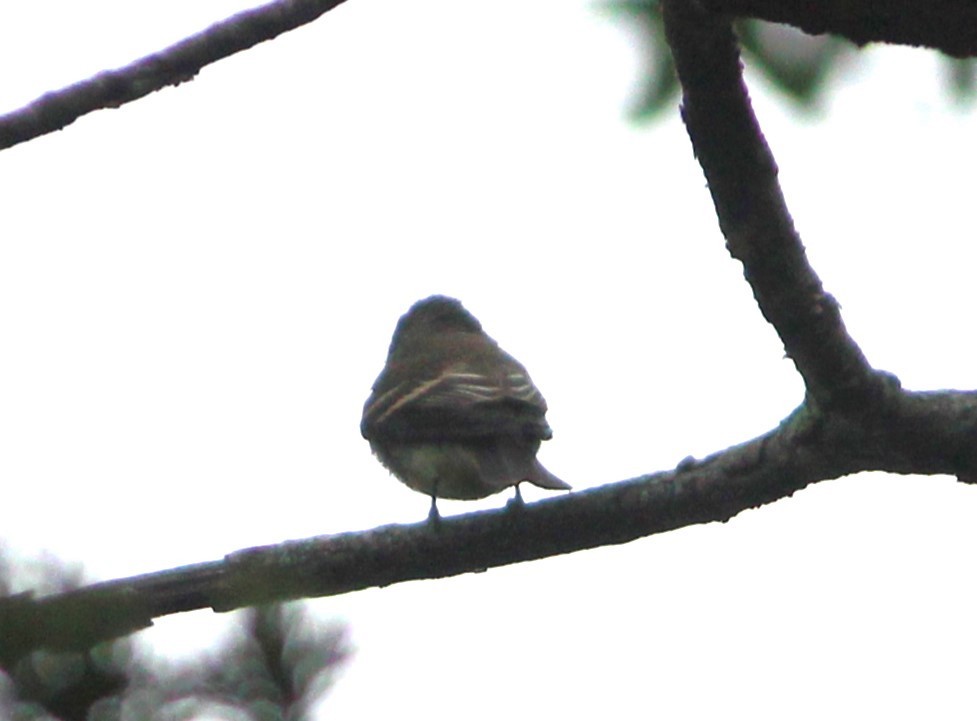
(947,25)
(923,433)
(742,177)
(171,66)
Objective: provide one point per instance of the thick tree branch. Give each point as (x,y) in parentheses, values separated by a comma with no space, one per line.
(171,66)
(742,177)
(947,25)
(921,433)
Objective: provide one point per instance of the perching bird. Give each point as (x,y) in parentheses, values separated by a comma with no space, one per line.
(452,415)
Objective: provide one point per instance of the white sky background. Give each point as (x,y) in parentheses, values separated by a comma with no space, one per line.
(197,291)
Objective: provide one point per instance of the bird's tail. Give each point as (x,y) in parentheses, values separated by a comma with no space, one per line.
(541,477)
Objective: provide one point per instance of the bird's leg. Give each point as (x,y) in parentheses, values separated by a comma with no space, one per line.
(433,516)
(516,501)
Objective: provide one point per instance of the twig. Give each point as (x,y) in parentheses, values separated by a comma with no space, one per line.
(171,66)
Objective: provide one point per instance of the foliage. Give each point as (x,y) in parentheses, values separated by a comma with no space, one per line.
(799,65)
(278,665)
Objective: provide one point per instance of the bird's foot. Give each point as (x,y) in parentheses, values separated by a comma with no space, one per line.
(516,502)
(434,516)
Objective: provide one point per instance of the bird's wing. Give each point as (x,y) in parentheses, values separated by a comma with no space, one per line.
(460,402)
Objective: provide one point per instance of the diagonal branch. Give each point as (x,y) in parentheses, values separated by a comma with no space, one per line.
(929,433)
(171,66)
(742,177)
(947,25)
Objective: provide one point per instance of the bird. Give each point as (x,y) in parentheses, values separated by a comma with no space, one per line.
(451,414)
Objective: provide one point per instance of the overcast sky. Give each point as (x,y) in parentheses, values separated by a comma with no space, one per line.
(198,289)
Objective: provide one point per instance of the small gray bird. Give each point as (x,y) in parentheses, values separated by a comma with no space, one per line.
(452,415)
